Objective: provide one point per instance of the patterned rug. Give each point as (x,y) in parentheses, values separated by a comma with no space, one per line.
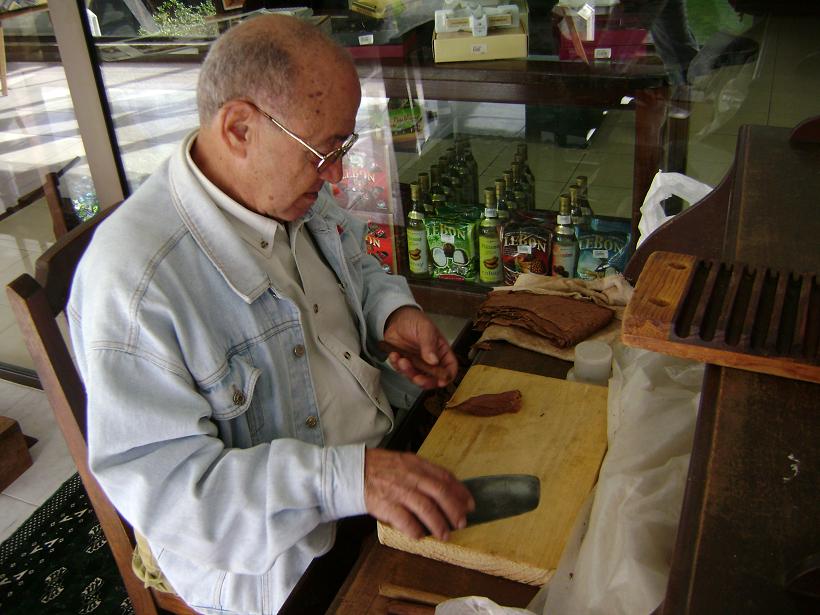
(58,562)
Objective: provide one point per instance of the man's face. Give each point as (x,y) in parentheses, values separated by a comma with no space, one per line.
(283,180)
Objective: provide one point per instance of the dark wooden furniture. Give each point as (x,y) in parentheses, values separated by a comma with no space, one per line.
(379,565)
(37,305)
(749,537)
(14,456)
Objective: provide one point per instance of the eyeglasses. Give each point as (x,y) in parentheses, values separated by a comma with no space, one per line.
(325,160)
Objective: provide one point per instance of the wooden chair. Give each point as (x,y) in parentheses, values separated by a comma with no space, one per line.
(37,303)
(63,216)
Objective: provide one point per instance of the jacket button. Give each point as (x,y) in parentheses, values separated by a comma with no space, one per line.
(347,355)
(238,397)
(315,308)
(311,421)
(299,350)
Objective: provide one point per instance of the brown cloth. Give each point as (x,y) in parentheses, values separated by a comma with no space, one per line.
(563,321)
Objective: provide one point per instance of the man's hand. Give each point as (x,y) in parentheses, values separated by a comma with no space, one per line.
(409,328)
(411,494)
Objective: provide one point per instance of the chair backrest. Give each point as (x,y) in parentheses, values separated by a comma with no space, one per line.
(37,303)
(63,216)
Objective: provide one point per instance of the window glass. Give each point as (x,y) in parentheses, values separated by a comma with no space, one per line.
(40,147)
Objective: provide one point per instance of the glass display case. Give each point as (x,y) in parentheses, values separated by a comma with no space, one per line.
(604,123)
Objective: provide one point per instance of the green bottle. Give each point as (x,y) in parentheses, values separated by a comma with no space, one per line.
(439,202)
(508,180)
(490,270)
(574,206)
(583,200)
(521,150)
(418,252)
(471,163)
(436,187)
(424,192)
(501,205)
(520,183)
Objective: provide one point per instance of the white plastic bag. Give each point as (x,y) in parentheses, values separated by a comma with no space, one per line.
(477,605)
(663,186)
(617,558)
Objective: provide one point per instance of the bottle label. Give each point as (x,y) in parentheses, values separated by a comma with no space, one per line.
(489,252)
(417,251)
(564,219)
(490,213)
(564,259)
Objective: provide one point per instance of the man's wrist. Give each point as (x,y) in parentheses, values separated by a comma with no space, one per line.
(395,313)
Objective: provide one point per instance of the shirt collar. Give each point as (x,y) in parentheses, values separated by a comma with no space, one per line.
(256,230)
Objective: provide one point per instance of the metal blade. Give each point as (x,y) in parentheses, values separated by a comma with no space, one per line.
(502,495)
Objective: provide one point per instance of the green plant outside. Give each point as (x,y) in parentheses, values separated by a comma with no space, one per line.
(180,19)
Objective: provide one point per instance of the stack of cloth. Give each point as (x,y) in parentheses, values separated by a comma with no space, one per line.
(552,314)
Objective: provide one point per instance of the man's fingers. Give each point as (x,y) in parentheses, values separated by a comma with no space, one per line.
(424,491)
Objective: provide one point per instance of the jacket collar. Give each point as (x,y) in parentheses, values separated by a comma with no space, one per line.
(215,235)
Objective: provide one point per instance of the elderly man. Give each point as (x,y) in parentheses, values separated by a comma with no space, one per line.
(224,320)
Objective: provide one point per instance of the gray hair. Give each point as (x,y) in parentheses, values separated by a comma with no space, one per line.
(250,62)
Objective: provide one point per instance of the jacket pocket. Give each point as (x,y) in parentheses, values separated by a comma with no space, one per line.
(233,401)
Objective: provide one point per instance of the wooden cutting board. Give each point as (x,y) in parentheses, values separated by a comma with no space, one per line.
(558,435)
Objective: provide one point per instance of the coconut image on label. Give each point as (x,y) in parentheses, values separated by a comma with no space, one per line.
(439,257)
(460,257)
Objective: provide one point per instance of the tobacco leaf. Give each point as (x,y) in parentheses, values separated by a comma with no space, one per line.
(489,404)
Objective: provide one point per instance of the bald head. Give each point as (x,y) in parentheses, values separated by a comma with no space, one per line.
(265,59)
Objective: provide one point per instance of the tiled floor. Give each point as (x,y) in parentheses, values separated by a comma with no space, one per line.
(52,462)
(154,105)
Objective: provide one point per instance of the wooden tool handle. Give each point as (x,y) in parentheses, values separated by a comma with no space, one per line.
(400,607)
(389,590)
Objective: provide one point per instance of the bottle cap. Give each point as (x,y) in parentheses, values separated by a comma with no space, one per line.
(593,362)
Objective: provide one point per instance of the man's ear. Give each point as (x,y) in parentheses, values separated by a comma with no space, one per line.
(235,120)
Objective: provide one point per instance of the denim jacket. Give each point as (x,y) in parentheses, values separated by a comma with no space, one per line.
(203,427)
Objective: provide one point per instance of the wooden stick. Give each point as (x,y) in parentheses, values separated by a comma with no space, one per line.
(400,607)
(389,590)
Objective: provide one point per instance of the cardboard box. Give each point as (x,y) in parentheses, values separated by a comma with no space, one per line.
(380,240)
(464,47)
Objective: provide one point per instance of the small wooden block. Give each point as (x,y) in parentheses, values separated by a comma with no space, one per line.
(14,456)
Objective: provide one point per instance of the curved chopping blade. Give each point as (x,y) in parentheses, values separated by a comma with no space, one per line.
(502,495)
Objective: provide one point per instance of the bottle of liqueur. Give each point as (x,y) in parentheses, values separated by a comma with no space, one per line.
(574,206)
(472,165)
(439,202)
(452,172)
(521,150)
(520,199)
(508,180)
(418,252)
(424,193)
(520,183)
(583,200)
(501,205)
(444,178)
(490,270)
(436,187)
(564,243)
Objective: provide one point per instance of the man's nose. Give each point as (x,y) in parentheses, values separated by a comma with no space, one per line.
(333,172)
